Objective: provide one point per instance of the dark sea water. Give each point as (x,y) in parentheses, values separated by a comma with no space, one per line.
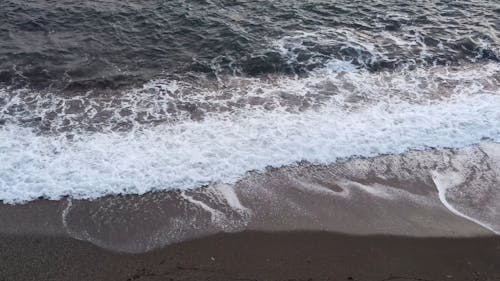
(80,45)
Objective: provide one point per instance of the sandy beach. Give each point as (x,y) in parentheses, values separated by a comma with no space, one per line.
(303,222)
(257,256)
(249,140)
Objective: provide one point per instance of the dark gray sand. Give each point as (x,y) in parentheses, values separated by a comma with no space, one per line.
(436,193)
(257,256)
(420,216)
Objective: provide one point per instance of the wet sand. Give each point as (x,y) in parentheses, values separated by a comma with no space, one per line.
(257,256)
(429,215)
(435,193)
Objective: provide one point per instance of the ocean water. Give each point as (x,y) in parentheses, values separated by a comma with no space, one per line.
(112,97)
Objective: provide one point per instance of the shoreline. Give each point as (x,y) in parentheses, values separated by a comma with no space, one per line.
(256,256)
(437,193)
(377,219)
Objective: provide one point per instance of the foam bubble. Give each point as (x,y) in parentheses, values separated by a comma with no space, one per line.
(222,148)
(409,45)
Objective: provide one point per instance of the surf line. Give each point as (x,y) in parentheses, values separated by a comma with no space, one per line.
(445,181)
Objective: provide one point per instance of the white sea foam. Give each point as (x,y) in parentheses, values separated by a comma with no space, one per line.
(168,101)
(445,181)
(222,148)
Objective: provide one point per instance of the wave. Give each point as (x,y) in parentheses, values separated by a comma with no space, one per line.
(222,147)
(167,101)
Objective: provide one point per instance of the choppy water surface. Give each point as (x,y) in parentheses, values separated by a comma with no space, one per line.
(77,45)
(107,97)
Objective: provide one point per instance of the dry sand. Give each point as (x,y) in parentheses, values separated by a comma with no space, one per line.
(257,256)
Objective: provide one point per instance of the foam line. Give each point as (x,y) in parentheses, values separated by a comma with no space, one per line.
(443,182)
(217,216)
